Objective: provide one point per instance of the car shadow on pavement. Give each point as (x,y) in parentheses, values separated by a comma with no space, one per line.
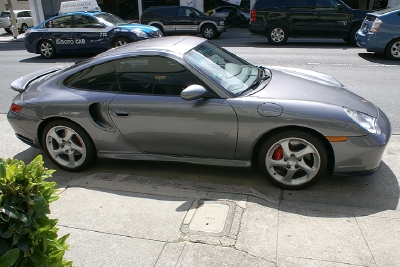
(373,193)
(60,58)
(378,58)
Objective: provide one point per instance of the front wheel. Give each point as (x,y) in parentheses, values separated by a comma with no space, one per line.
(47,49)
(120,41)
(209,32)
(277,34)
(293,160)
(68,146)
(393,50)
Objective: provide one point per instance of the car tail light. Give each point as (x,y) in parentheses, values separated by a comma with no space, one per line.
(375,25)
(15,108)
(253,14)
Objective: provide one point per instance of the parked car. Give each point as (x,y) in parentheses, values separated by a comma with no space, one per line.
(23,19)
(183,19)
(380,32)
(233,15)
(182,98)
(84,32)
(280,19)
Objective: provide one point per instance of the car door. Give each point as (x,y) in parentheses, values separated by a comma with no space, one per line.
(150,113)
(301,17)
(330,20)
(90,35)
(60,32)
(186,20)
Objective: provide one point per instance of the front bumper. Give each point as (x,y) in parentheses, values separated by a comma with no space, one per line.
(362,153)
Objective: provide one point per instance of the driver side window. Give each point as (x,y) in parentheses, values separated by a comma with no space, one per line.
(153,75)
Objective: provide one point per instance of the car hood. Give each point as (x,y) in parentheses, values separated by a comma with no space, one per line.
(142,27)
(306,85)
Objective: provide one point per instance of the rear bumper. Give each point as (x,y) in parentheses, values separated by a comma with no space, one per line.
(371,42)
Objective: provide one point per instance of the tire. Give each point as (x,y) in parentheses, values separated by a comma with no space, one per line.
(351,39)
(120,41)
(7,30)
(293,160)
(158,26)
(68,146)
(23,29)
(47,49)
(277,34)
(209,31)
(392,50)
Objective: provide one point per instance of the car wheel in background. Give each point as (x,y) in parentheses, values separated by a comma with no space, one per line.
(293,159)
(352,39)
(393,49)
(47,49)
(209,31)
(23,29)
(120,41)
(7,30)
(68,146)
(158,26)
(277,34)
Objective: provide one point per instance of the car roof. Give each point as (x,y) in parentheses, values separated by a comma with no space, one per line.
(175,44)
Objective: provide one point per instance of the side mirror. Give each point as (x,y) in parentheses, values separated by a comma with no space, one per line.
(193,92)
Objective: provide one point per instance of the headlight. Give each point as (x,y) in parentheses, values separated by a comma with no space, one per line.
(140,33)
(222,23)
(365,121)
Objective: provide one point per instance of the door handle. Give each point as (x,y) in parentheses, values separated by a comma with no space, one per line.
(121,113)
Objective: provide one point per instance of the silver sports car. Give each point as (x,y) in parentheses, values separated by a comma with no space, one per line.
(186,99)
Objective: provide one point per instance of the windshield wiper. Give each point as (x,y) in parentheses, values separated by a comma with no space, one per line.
(262,76)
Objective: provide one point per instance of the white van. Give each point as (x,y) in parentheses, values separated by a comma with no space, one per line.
(23,20)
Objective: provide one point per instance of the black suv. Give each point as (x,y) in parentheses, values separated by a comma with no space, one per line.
(279,19)
(183,19)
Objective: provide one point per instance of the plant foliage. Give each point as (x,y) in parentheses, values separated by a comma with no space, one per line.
(27,236)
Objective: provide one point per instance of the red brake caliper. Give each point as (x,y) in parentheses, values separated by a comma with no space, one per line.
(278,153)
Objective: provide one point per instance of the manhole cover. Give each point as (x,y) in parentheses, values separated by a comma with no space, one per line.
(209,217)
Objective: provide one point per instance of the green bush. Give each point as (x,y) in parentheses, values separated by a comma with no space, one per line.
(27,236)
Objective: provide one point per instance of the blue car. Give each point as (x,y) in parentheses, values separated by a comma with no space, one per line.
(380,32)
(84,32)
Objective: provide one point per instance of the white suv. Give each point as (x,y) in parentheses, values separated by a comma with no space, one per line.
(23,20)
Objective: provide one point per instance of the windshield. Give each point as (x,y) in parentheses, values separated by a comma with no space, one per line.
(232,73)
(111,19)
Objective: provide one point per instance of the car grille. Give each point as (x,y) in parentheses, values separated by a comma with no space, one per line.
(25,140)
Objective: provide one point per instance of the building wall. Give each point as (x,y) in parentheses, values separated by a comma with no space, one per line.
(15,4)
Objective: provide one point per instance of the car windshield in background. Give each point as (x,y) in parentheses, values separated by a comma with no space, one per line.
(114,20)
(233,74)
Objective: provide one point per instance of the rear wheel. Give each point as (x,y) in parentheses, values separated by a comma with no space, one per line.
(68,146)
(393,49)
(23,29)
(7,30)
(47,49)
(277,34)
(209,31)
(293,159)
(120,41)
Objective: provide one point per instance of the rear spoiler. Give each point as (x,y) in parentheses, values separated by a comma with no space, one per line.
(20,84)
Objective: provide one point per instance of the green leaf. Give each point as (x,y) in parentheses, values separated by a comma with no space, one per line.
(9,258)
(38,258)
(6,234)
(2,169)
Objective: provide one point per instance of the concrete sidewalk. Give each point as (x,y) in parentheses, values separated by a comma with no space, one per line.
(123,220)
